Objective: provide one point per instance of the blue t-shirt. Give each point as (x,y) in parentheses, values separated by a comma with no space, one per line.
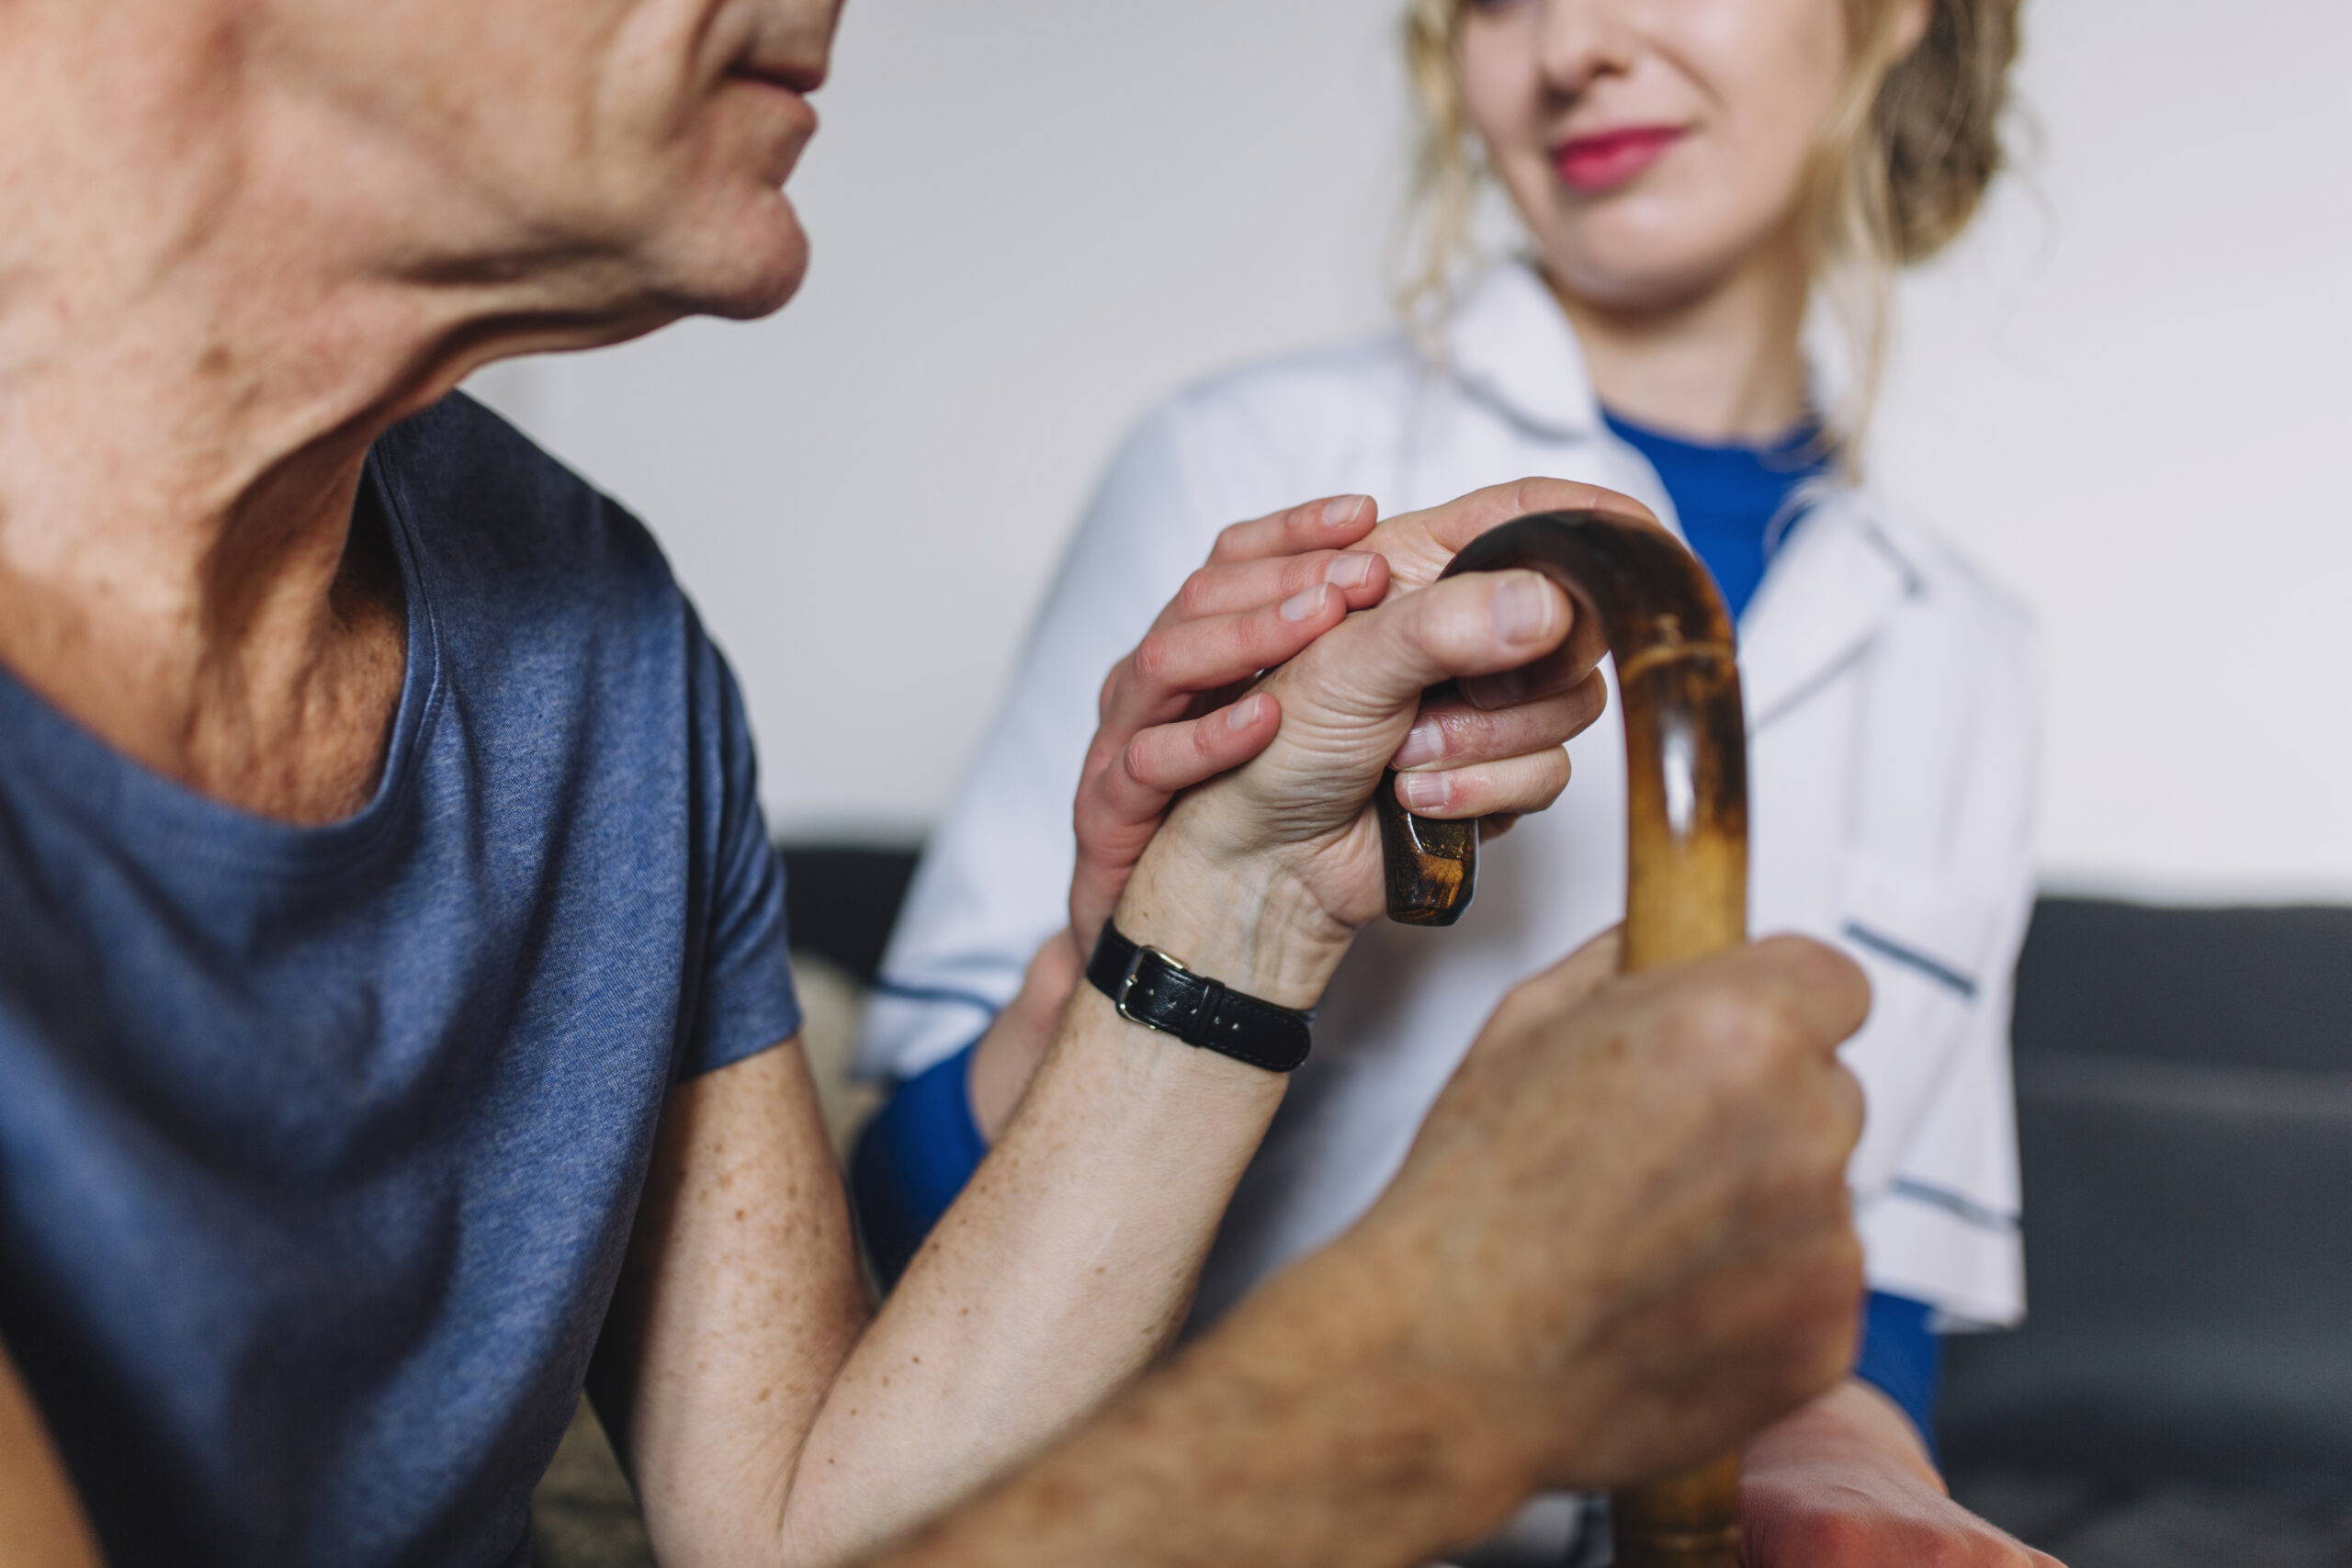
(319,1146)
(1735,503)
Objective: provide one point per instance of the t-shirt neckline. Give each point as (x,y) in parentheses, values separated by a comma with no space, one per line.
(141,808)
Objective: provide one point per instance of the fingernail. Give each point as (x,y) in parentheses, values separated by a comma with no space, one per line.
(1342,509)
(1244,714)
(1424,792)
(1300,606)
(1352,569)
(1522,610)
(1425,742)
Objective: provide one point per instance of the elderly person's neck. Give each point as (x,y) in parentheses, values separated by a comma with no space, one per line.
(180,448)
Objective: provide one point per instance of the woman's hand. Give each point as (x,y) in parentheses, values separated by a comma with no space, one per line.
(1173,713)
(1845,1482)
(1180,710)
(1270,869)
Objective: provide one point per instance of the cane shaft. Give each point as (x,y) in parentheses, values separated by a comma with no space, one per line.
(1686,871)
(1686,896)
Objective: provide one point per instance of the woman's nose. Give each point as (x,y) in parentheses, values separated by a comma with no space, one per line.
(1580,42)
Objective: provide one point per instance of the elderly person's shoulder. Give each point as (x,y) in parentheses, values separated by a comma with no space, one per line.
(488,505)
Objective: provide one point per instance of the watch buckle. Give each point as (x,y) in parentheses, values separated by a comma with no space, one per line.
(1127,981)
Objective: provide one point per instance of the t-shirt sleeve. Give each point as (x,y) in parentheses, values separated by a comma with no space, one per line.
(745,1001)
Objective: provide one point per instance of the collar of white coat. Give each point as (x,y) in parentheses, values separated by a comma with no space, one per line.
(1831,588)
(1831,585)
(1508,343)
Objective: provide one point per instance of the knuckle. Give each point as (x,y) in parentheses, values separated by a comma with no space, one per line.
(1136,762)
(1542,783)
(1201,741)
(1194,598)
(1308,571)
(1720,1019)
(1846,1266)
(1954,1548)
(1841,977)
(1830,1539)
(1152,659)
(1852,1105)
(1586,700)
(1825,971)
(1309,568)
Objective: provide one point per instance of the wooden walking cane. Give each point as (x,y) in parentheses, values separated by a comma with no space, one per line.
(1686,877)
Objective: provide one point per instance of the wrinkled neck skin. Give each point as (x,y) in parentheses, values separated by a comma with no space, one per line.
(1721,362)
(201,331)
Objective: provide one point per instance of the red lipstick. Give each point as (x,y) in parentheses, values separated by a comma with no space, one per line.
(1607,159)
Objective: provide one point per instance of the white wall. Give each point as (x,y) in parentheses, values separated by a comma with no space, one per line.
(2126,394)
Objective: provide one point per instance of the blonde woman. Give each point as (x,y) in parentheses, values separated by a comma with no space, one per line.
(1692,176)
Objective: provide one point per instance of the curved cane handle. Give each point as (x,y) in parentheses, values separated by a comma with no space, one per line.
(1686,871)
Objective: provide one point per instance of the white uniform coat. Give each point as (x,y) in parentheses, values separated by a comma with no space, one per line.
(1892,721)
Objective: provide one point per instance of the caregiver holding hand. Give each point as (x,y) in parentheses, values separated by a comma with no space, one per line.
(1693,179)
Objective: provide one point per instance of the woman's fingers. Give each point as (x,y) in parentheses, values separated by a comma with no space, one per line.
(1330,524)
(1271,587)
(1176,664)
(1224,587)
(1123,796)
(1512,786)
(1167,757)
(1451,734)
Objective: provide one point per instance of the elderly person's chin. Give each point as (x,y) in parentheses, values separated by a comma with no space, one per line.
(682,212)
(712,232)
(738,264)
(729,241)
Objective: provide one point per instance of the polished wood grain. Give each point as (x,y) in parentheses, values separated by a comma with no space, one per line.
(1686,873)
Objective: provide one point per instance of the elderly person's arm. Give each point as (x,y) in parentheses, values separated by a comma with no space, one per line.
(1619,1244)
(1068,1265)
(45,1527)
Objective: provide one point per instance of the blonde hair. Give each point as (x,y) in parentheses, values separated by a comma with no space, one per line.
(1903,164)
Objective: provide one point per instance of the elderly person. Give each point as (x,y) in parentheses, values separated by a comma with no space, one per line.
(395,1033)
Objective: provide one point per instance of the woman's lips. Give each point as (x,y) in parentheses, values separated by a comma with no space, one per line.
(1610,158)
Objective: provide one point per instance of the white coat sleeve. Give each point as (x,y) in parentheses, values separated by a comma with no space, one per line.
(1941,1222)
(994,881)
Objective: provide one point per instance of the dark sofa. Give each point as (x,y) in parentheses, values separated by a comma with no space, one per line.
(2182,1391)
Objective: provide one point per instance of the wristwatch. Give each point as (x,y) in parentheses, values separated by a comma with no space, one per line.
(1153,990)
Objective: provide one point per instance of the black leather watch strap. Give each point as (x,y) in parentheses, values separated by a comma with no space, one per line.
(1153,990)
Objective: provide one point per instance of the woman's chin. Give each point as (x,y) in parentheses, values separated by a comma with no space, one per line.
(1635,281)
